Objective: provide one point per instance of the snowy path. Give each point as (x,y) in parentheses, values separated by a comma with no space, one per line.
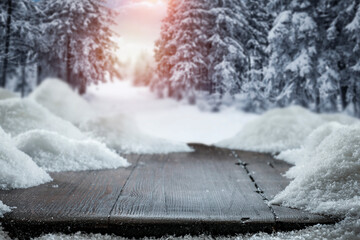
(206,191)
(167,118)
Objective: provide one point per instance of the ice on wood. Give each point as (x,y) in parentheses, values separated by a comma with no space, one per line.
(3,209)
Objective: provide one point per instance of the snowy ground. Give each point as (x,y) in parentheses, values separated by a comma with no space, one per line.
(323,147)
(167,118)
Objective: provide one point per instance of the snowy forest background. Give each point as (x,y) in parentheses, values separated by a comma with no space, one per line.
(253,54)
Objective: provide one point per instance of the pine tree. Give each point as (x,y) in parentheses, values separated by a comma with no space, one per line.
(291,74)
(353,30)
(80,37)
(259,21)
(181,50)
(22,39)
(228,57)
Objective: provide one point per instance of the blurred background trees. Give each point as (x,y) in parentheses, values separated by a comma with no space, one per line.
(59,38)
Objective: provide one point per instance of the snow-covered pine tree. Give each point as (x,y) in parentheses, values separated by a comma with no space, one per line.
(202,48)
(259,20)
(5,23)
(80,37)
(228,58)
(353,31)
(291,74)
(22,38)
(181,50)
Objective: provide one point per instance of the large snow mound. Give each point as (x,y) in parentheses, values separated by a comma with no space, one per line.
(61,100)
(3,209)
(281,129)
(117,131)
(17,169)
(22,115)
(304,155)
(120,133)
(6,94)
(54,152)
(327,179)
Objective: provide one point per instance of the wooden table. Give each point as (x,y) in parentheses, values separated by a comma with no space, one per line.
(211,190)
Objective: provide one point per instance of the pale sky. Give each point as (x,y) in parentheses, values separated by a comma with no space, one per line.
(138,23)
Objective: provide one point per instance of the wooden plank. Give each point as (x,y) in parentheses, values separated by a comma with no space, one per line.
(73,201)
(180,193)
(267,173)
(189,193)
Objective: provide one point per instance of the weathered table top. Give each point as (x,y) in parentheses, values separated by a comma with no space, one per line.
(212,190)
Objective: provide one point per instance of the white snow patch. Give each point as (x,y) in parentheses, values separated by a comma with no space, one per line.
(61,100)
(22,115)
(327,179)
(120,133)
(54,152)
(4,209)
(17,169)
(6,94)
(281,129)
(166,118)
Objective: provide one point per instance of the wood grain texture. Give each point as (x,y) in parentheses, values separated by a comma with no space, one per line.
(267,173)
(205,191)
(74,200)
(167,191)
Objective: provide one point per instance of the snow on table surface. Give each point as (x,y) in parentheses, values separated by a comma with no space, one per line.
(166,118)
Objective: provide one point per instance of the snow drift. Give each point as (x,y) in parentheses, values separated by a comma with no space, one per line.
(61,100)
(327,179)
(6,94)
(120,133)
(22,115)
(55,153)
(17,169)
(281,129)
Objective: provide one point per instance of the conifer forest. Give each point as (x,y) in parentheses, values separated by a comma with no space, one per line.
(255,54)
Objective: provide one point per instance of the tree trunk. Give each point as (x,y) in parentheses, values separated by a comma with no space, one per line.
(7,44)
(344,102)
(23,76)
(68,57)
(38,74)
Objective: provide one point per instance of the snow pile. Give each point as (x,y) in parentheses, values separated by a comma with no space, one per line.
(3,209)
(22,115)
(327,179)
(17,169)
(276,130)
(120,133)
(5,94)
(61,100)
(304,154)
(281,129)
(54,152)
